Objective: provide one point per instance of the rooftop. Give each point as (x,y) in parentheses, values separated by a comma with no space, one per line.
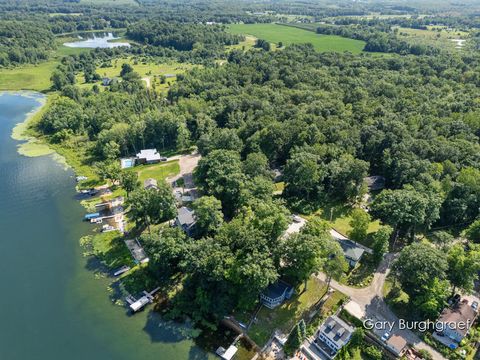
(149,154)
(276,290)
(375,182)
(351,250)
(462,312)
(397,342)
(337,330)
(186,216)
(149,183)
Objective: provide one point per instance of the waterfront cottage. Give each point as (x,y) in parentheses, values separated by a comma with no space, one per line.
(275,294)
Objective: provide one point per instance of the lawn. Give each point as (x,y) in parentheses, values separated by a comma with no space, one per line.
(275,33)
(288,314)
(157,171)
(338,216)
(109,247)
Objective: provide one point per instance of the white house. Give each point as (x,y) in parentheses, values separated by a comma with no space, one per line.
(148,156)
(333,334)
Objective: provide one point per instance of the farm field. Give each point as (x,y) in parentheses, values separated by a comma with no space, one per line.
(289,35)
(34,77)
(435,36)
(145,68)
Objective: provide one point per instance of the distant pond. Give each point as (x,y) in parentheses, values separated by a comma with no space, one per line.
(96,40)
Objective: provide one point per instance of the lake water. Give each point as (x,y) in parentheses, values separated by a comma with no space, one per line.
(51,305)
(96,40)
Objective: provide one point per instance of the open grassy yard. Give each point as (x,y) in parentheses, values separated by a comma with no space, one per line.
(157,171)
(339,217)
(275,33)
(284,317)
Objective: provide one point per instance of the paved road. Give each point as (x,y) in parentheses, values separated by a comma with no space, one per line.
(372,303)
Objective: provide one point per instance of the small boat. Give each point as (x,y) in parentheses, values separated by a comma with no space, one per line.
(96,221)
(107,228)
(92,216)
(121,270)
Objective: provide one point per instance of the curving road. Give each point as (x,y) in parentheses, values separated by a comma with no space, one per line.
(371,301)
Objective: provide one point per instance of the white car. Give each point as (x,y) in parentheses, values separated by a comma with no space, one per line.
(296,218)
(385,336)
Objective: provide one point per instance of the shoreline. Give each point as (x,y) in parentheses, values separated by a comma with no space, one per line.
(30,144)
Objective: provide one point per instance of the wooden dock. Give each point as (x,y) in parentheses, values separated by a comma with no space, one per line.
(138,304)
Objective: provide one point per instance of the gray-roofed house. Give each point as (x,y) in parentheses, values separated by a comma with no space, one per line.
(106,81)
(353,253)
(275,294)
(148,156)
(375,182)
(185,219)
(456,322)
(150,184)
(333,334)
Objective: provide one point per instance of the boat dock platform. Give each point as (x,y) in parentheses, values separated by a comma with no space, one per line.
(138,304)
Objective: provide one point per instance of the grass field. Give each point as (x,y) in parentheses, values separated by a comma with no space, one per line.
(157,171)
(435,35)
(275,33)
(34,77)
(146,68)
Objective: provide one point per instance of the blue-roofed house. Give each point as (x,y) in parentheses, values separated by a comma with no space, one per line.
(275,294)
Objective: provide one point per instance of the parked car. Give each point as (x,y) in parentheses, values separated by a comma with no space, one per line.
(385,336)
(475,305)
(296,218)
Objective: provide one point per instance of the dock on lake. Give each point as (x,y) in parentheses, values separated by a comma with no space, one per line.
(138,304)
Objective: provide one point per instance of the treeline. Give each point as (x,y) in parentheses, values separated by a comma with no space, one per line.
(377,40)
(24,42)
(182,37)
(422,23)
